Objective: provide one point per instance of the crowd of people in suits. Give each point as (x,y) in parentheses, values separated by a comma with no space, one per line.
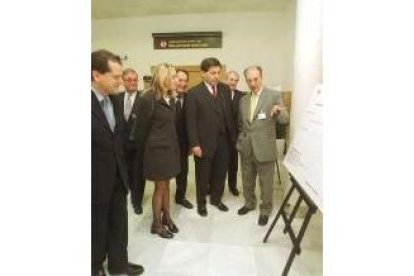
(140,136)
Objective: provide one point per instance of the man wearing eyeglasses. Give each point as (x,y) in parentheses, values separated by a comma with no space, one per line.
(129,107)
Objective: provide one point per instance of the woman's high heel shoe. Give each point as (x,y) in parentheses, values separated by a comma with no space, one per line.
(170,226)
(162,232)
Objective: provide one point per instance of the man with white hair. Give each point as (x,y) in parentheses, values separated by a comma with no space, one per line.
(259,111)
(129,107)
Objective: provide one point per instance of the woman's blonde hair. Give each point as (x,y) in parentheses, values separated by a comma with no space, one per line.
(161,79)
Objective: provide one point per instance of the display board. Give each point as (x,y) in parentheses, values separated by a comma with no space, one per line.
(304,157)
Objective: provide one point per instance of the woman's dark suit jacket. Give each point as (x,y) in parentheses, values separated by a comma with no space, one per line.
(156,138)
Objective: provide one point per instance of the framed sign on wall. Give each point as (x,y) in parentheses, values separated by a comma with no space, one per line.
(187,40)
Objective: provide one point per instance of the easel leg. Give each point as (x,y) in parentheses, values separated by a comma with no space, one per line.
(296,248)
(288,222)
(293,213)
(281,209)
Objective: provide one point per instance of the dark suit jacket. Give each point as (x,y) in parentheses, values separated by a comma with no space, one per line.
(181,127)
(235,102)
(157,137)
(130,145)
(203,118)
(108,160)
(142,123)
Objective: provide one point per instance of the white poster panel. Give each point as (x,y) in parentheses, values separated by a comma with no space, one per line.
(304,157)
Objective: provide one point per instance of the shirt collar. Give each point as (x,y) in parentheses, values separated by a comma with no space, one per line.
(132,93)
(98,95)
(258,93)
(178,95)
(209,86)
(167,99)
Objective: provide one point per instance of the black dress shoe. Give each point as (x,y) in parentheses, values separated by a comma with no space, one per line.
(221,206)
(162,232)
(202,210)
(138,209)
(100,272)
(185,203)
(263,219)
(131,270)
(235,192)
(244,210)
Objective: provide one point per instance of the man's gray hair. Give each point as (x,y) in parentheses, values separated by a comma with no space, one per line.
(256,67)
(233,72)
(129,70)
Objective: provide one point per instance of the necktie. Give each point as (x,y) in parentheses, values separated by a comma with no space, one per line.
(214,91)
(109,112)
(253,104)
(180,98)
(128,106)
(178,104)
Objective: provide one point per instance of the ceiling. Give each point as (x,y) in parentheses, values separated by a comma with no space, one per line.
(103,9)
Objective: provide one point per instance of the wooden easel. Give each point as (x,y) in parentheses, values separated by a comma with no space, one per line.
(296,240)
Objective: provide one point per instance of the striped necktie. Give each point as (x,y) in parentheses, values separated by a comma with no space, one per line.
(109,112)
(214,91)
(128,106)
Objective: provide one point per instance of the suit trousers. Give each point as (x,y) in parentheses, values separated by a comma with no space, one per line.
(233,167)
(110,232)
(251,168)
(181,178)
(210,172)
(136,174)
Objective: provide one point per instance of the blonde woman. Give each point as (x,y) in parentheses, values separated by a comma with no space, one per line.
(158,146)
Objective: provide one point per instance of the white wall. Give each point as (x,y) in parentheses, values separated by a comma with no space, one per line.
(248,38)
(307,57)
(307,68)
(290,29)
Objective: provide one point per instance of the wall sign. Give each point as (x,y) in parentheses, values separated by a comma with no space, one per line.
(189,40)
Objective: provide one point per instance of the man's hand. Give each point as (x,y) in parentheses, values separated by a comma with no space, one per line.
(276,110)
(197,151)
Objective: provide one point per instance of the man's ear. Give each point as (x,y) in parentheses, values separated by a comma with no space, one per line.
(95,75)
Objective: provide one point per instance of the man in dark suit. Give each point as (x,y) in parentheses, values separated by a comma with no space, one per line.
(181,179)
(128,102)
(210,131)
(109,170)
(236,95)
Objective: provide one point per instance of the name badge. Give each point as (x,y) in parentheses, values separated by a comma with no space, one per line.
(261,116)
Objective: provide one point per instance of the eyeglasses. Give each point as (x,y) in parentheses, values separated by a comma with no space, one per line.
(131,80)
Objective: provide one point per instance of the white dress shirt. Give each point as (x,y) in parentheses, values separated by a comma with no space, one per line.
(210,88)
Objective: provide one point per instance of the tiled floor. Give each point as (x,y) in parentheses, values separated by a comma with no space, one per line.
(222,244)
